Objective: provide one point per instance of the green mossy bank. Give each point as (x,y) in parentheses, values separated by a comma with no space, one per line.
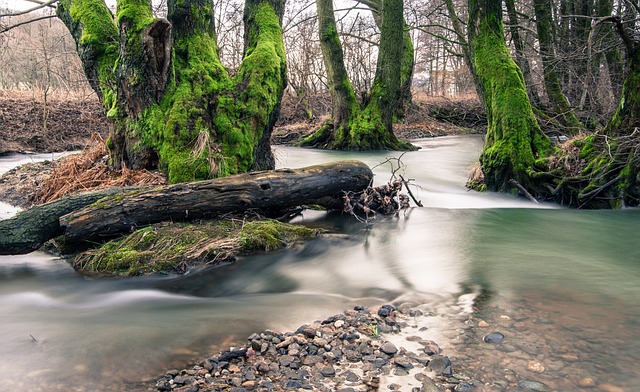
(173,248)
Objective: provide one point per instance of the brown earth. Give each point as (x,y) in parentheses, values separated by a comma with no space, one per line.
(69,124)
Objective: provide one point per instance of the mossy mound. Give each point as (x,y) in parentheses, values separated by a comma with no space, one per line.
(170,247)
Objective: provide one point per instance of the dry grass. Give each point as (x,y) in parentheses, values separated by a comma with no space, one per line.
(475,175)
(568,160)
(90,170)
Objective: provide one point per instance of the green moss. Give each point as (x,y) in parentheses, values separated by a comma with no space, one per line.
(93,27)
(209,124)
(514,139)
(174,247)
(136,13)
(271,234)
(99,29)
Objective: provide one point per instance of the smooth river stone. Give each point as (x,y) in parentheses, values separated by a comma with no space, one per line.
(493,337)
(533,386)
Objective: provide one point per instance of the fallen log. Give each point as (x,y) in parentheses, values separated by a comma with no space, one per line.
(188,201)
(105,213)
(28,230)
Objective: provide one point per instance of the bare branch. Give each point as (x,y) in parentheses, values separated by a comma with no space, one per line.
(41,5)
(7,28)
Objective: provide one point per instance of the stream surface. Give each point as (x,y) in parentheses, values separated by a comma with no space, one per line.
(564,281)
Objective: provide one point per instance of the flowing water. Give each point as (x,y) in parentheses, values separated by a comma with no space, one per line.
(562,285)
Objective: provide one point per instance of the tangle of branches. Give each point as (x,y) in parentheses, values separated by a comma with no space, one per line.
(385,199)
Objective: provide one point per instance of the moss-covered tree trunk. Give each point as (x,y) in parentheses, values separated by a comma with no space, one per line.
(172,103)
(602,170)
(514,139)
(353,127)
(563,111)
(408,64)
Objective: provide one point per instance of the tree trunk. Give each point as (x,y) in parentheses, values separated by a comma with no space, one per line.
(467,50)
(556,97)
(171,102)
(370,127)
(102,214)
(514,139)
(609,160)
(626,120)
(406,76)
(521,58)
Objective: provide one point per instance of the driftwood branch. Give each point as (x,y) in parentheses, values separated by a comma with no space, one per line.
(406,184)
(523,190)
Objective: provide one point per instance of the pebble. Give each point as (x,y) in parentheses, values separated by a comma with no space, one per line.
(328,371)
(532,386)
(389,348)
(439,364)
(610,388)
(587,382)
(535,366)
(493,337)
(527,347)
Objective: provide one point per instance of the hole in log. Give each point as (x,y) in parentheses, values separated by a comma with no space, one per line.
(265,186)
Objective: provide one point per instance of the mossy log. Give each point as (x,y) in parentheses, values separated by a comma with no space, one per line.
(104,214)
(265,189)
(28,230)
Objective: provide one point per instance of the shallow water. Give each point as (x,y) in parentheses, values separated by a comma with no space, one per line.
(546,273)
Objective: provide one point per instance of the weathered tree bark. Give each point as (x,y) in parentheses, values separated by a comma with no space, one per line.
(27,231)
(263,189)
(172,103)
(556,97)
(353,127)
(514,139)
(407,66)
(102,214)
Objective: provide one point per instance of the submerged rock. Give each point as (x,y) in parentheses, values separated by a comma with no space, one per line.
(493,337)
(532,386)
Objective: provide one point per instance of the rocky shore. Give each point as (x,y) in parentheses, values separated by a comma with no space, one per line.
(358,350)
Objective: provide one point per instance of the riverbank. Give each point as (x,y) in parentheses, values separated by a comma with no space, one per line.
(358,350)
(479,343)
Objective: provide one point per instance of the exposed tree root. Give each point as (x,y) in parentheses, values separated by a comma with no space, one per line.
(385,199)
(594,171)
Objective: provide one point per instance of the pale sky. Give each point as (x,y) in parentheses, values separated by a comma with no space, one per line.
(20,5)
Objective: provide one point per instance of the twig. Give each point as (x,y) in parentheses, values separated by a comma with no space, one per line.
(406,184)
(599,189)
(523,190)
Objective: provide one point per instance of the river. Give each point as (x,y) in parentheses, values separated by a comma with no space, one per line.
(560,284)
